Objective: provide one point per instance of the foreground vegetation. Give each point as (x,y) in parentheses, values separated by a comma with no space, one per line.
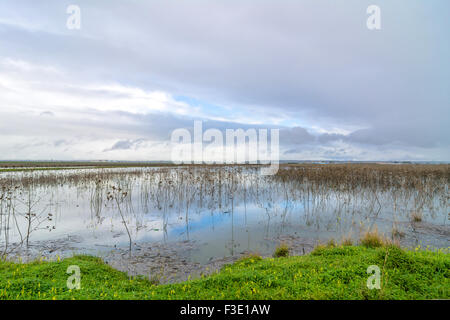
(417,194)
(329,272)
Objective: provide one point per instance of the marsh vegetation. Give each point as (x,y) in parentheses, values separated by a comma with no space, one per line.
(225,210)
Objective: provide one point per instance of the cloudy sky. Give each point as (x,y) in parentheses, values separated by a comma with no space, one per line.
(136,70)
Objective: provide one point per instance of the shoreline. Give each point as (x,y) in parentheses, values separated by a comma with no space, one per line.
(328,272)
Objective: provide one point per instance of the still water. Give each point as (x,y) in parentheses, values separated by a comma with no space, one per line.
(224,211)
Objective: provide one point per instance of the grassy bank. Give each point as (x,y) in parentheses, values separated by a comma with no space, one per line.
(327,273)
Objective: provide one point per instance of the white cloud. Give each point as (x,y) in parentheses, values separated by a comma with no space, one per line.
(250,63)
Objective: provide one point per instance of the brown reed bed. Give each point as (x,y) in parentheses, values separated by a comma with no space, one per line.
(362,188)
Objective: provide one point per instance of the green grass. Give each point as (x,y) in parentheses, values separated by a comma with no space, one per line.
(327,273)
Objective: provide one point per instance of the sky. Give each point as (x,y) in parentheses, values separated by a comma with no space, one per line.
(135,71)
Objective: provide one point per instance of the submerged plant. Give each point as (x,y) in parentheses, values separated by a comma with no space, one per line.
(347,241)
(117,196)
(373,239)
(416,216)
(281,251)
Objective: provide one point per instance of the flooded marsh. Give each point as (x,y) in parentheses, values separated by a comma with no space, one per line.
(184,218)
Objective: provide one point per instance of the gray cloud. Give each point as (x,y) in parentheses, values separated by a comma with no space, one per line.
(296,135)
(125,145)
(312,63)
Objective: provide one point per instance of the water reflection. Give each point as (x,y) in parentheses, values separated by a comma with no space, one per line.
(225,210)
